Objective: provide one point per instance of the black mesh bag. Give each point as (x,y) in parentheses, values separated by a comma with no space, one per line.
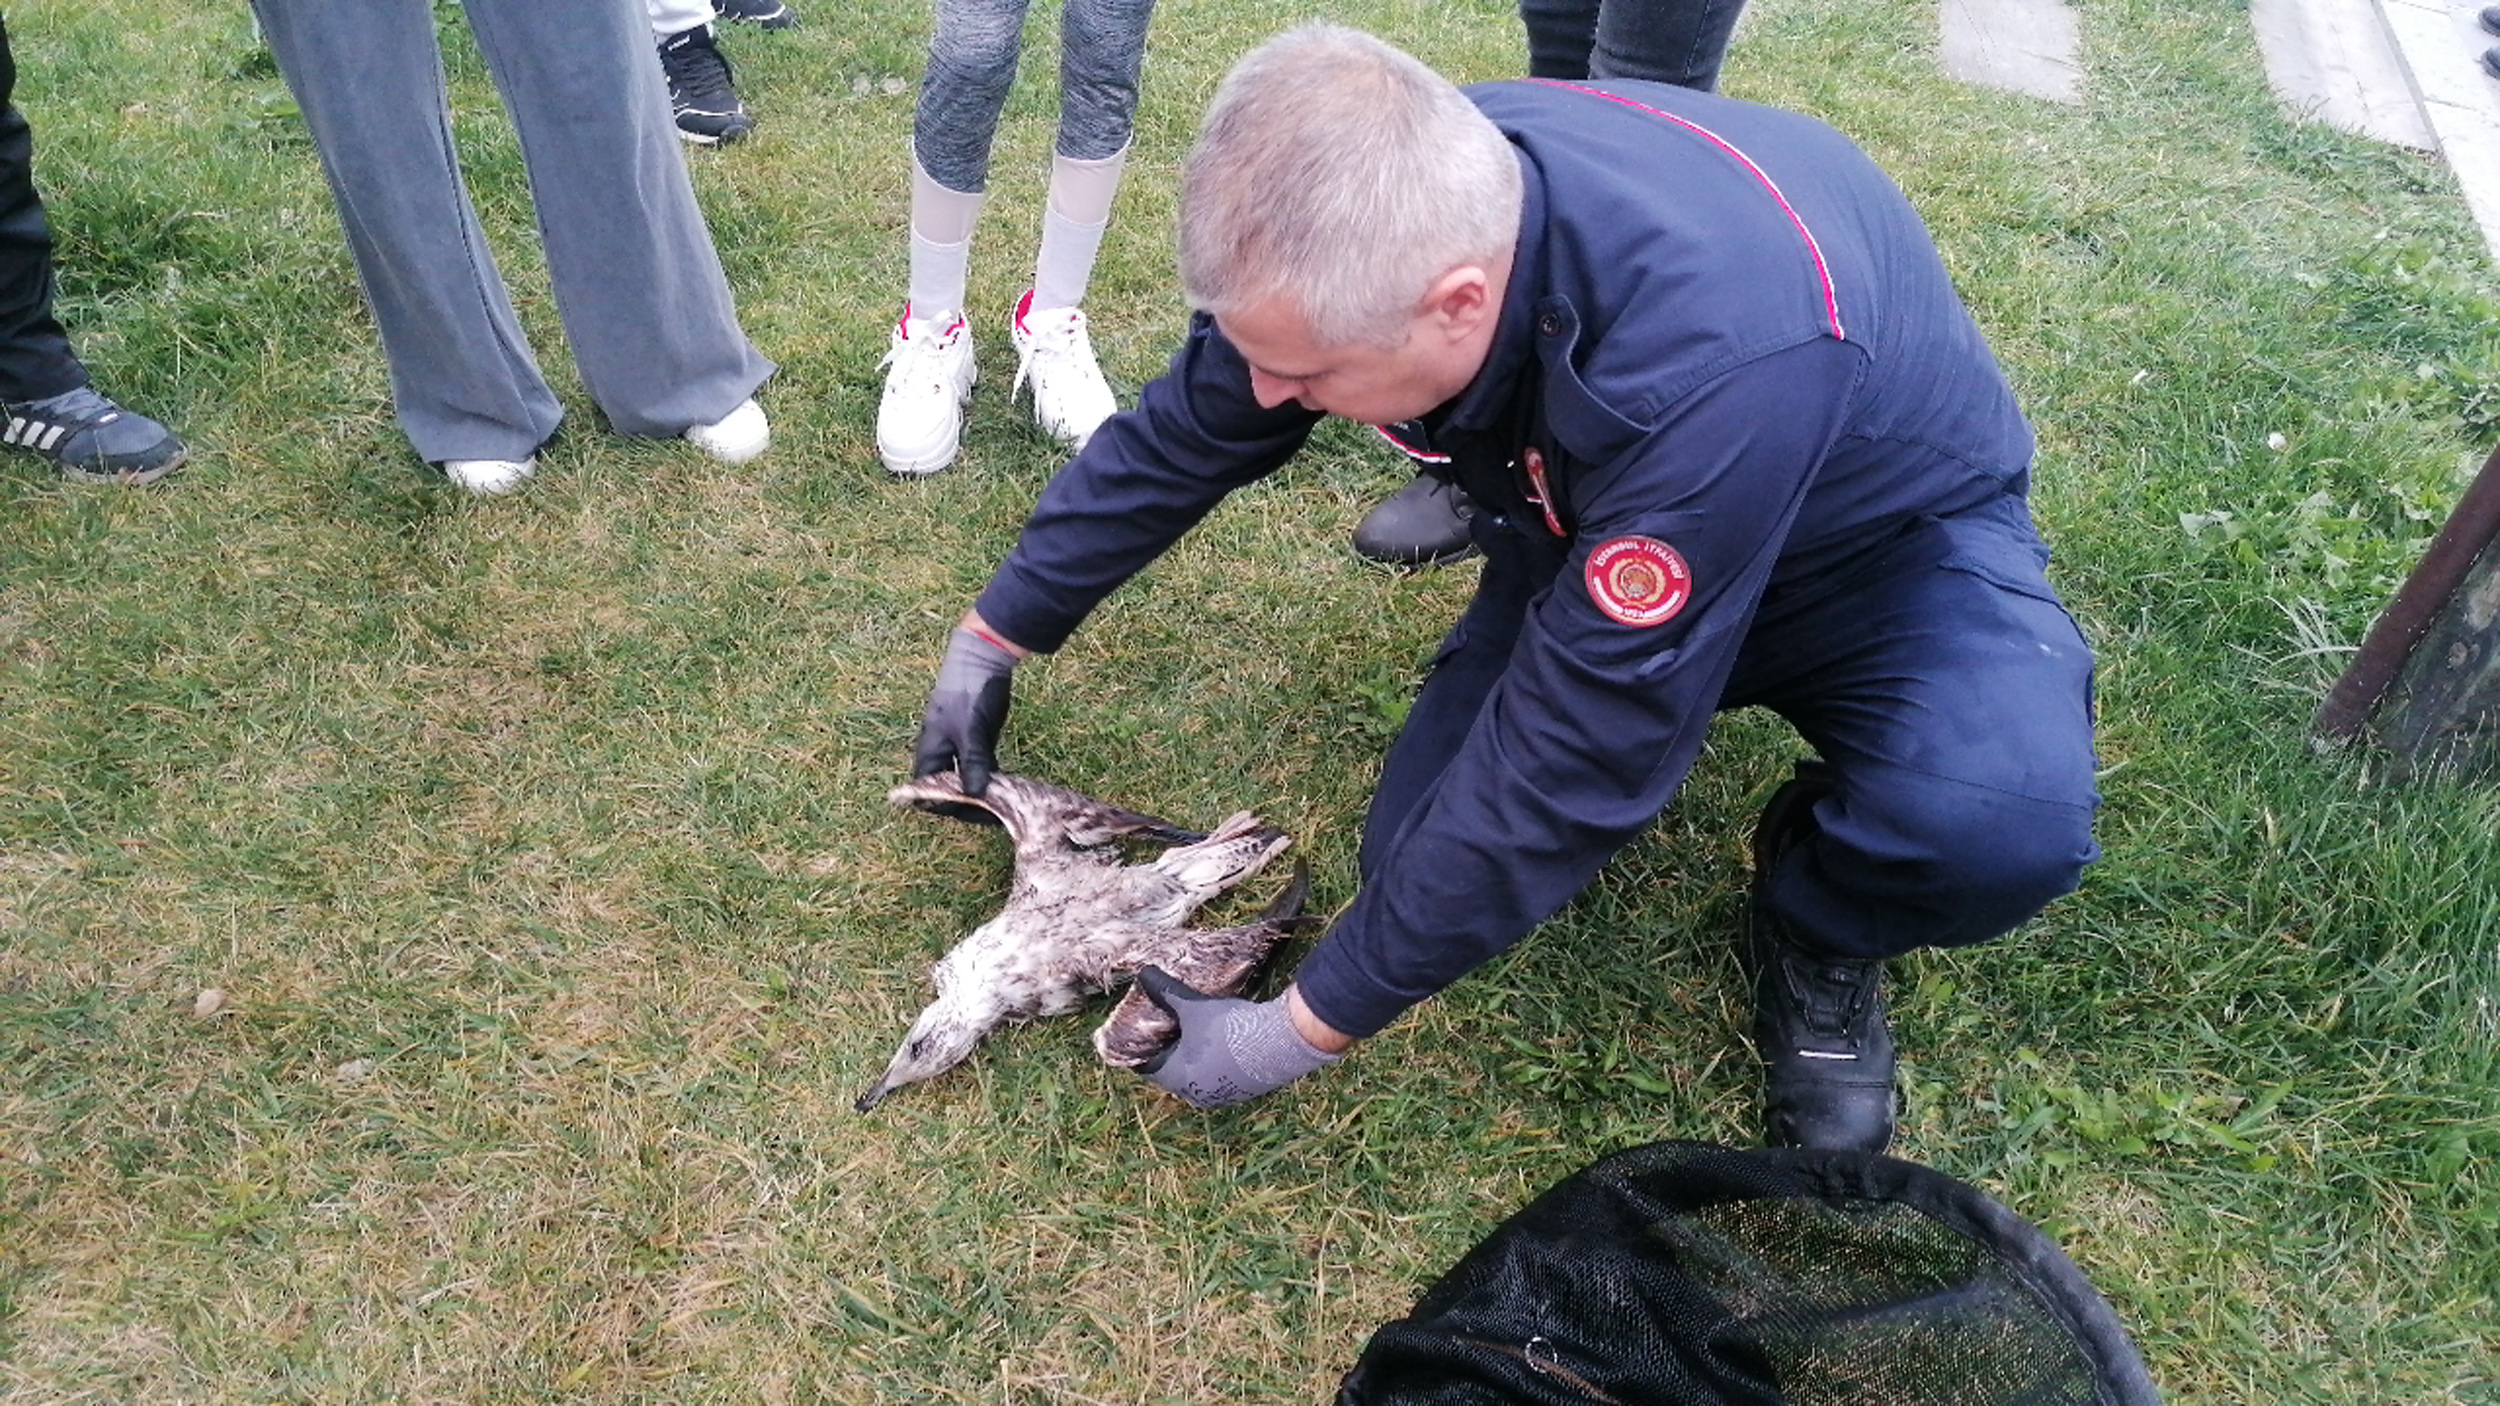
(1687,1274)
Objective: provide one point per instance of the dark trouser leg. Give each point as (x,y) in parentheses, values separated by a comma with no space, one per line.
(35,357)
(1664,41)
(1561,36)
(1950,698)
(1102,49)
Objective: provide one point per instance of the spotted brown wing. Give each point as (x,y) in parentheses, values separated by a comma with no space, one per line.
(1036,814)
(1217,961)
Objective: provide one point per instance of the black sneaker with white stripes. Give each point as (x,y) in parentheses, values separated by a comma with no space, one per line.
(763,14)
(89,438)
(700,90)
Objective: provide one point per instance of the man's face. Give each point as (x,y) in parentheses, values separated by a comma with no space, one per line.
(1373,384)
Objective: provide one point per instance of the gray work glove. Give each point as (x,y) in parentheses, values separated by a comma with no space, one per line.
(967,707)
(1228,1050)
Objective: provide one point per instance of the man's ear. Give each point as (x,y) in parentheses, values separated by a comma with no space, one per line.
(1460,301)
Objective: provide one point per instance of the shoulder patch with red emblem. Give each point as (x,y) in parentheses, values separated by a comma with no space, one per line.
(1639,581)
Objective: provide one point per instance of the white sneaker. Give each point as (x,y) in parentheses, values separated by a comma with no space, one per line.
(921,419)
(1070,397)
(488,477)
(735,437)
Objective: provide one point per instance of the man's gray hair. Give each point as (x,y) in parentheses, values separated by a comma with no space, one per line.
(1345,176)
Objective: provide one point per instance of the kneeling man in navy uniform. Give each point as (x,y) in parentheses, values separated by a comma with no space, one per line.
(1734,441)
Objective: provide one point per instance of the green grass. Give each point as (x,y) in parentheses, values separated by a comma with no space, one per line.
(540,850)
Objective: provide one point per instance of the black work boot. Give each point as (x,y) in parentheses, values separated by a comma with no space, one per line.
(1422,524)
(1818,1021)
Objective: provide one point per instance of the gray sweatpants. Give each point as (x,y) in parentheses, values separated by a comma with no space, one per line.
(972,62)
(637,282)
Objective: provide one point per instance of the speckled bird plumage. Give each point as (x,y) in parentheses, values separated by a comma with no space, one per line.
(1080,920)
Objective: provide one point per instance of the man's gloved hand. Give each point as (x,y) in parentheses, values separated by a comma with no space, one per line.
(1229,1050)
(967,707)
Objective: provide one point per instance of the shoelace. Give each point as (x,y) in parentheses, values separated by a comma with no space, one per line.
(1056,343)
(698,72)
(919,362)
(1834,1019)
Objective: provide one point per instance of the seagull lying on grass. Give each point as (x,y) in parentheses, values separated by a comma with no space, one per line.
(1079,920)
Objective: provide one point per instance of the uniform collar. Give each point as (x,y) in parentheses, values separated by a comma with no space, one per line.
(1487,401)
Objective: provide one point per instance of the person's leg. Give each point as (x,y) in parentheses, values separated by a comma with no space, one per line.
(1949,697)
(645,304)
(1561,36)
(1074,220)
(1664,41)
(702,89)
(942,222)
(369,80)
(1102,51)
(1102,48)
(676,16)
(973,48)
(47,405)
(929,366)
(35,357)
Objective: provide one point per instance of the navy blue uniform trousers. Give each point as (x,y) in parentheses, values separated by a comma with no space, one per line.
(1947,693)
(35,358)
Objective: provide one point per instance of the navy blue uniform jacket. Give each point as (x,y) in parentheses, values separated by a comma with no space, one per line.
(1725,331)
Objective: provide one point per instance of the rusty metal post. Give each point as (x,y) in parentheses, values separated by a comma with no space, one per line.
(2408,616)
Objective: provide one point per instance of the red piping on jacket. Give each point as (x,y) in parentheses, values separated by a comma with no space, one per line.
(1831,298)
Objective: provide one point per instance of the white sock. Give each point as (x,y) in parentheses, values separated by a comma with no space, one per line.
(1072,227)
(941,246)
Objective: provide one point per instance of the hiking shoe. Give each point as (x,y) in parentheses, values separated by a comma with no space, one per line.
(89,438)
(1422,524)
(763,14)
(1818,1020)
(735,437)
(490,478)
(1053,354)
(700,91)
(2490,18)
(920,420)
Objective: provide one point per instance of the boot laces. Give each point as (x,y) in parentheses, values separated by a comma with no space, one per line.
(1831,995)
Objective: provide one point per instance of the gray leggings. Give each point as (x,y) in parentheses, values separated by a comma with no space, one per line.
(972,61)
